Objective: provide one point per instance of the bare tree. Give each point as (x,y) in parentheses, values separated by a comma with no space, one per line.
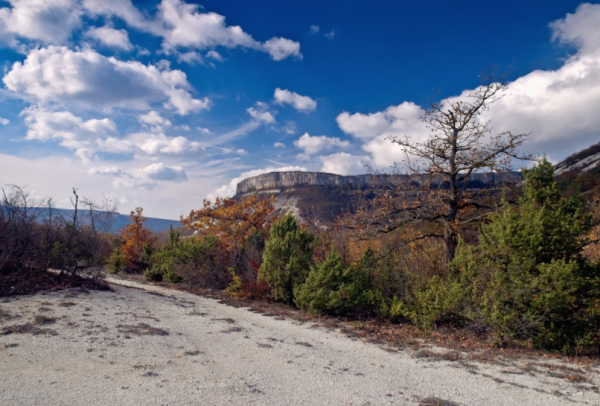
(441,188)
(36,237)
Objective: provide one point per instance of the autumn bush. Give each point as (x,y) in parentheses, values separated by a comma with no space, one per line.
(134,248)
(227,246)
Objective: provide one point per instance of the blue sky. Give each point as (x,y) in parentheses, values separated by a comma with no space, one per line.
(163,103)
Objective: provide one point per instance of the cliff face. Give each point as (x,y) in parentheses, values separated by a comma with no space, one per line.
(281,180)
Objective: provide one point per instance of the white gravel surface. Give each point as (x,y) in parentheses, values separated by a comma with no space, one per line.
(155,346)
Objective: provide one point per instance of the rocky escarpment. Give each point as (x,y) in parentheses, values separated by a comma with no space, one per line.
(580,172)
(283,180)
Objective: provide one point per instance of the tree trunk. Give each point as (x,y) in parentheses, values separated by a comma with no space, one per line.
(451,241)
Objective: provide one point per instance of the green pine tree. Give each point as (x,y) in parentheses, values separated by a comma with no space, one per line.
(527,278)
(286,259)
(332,287)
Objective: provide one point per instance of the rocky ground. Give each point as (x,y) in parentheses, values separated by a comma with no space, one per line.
(154,346)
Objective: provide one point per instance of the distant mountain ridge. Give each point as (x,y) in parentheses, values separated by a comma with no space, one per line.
(118,221)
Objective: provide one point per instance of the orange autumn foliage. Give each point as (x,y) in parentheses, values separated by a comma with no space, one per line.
(135,238)
(231,220)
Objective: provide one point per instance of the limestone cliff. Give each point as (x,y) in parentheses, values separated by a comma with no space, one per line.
(283,180)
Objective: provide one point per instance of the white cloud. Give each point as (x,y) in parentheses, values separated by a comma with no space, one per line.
(110,37)
(203,130)
(187,27)
(580,28)
(314,29)
(330,34)
(228,189)
(155,144)
(86,78)
(47,21)
(395,120)
(125,10)
(344,164)
(115,145)
(106,171)
(558,105)
(190,57)
(279,145)
(374,130)
(300,103)
(70,131)
(4,121)
(214,55)
(154,121)
(183,128)
(317,144)
(282,48)
(147,177)
(261,114)
(162,172)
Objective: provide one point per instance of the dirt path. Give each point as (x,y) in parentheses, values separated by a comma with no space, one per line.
(162,347)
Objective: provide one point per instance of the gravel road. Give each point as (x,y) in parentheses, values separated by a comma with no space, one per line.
(155,346)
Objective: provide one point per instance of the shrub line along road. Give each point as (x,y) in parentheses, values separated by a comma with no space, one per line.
(149,345)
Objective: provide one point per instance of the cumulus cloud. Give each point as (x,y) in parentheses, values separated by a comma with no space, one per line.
(187,27)
(580,28)
(228,189)
(4,121)
(164,172)
(261,114)
(395,120)
(88,137)
(86,78)
(70,131)
(147,177)
(279,145)
(47,21)
(282,48)
(115,145)
(155,144)
(110,37)
(317,144)
(179,24)
(126,11)
(154,121)
(345,164)
(300,103)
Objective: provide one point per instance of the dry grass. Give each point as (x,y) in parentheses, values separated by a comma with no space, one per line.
(141,329)
(27,328)
(433,401)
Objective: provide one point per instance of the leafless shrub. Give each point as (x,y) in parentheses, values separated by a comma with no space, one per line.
(36,237)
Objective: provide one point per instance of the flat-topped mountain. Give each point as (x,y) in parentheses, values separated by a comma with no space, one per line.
(321,197)
(282,180)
